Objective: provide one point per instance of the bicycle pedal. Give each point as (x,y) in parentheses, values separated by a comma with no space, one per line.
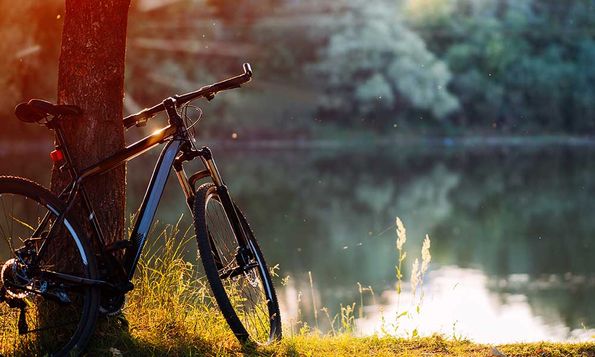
(118,245)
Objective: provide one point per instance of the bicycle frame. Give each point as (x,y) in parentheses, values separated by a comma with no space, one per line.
(177,150)
(231,258)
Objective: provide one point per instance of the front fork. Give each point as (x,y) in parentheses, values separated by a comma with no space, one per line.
(188,186)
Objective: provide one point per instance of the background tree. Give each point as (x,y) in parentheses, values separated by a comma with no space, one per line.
(91,75)
(513,67)
(523,66)
(374,68)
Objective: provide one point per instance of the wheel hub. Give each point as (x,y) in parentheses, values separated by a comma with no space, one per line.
(112,305)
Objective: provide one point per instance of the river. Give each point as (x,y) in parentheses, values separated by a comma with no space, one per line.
(512,232)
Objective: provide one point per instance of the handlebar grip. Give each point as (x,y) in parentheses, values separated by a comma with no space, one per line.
(233,82)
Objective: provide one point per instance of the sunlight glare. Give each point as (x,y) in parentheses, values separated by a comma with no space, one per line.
(428,9)
(458,303)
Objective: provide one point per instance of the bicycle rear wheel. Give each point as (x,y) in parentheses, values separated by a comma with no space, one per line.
(238,276)
(41,314)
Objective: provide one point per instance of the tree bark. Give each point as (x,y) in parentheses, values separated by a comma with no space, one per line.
(91,75)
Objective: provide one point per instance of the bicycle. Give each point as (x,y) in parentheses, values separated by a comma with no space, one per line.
(39,233)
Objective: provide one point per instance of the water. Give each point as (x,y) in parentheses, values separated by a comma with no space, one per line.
(512,231)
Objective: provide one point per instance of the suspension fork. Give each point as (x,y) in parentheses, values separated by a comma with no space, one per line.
(212,171)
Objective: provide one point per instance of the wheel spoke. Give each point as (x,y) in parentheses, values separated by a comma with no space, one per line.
(239,277)
(40,314)
(4,234)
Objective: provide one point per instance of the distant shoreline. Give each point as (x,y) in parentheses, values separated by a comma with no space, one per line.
(412,141)
(8,146)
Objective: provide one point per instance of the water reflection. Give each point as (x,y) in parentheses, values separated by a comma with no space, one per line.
(460,302)
(514,225)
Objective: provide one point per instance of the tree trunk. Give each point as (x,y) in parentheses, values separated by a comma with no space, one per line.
(91,75)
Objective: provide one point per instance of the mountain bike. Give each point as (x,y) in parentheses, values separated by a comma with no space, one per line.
(54,282)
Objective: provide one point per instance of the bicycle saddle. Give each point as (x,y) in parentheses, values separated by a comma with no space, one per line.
(36,110)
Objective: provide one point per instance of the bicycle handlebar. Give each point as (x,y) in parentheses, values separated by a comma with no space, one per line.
(209,92)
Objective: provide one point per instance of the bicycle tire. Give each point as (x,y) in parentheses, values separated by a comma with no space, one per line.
(238,313)
(65,334)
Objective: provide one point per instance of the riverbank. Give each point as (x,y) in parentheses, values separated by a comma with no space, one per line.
(171,313)
(343,345)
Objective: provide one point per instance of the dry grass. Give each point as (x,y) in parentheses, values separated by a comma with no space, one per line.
(171,313)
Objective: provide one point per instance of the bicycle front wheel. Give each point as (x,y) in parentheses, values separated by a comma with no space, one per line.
(41,313)
(238,275)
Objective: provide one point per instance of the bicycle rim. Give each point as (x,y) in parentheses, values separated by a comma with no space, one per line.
(47,317)
(246,296)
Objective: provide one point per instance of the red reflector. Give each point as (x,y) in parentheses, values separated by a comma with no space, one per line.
(56,156)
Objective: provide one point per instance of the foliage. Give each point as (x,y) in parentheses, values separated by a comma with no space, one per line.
(323,69)
(244,11)
(374,67)
(524,66)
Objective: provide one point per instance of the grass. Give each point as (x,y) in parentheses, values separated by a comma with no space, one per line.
(345,345)
(171,313)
